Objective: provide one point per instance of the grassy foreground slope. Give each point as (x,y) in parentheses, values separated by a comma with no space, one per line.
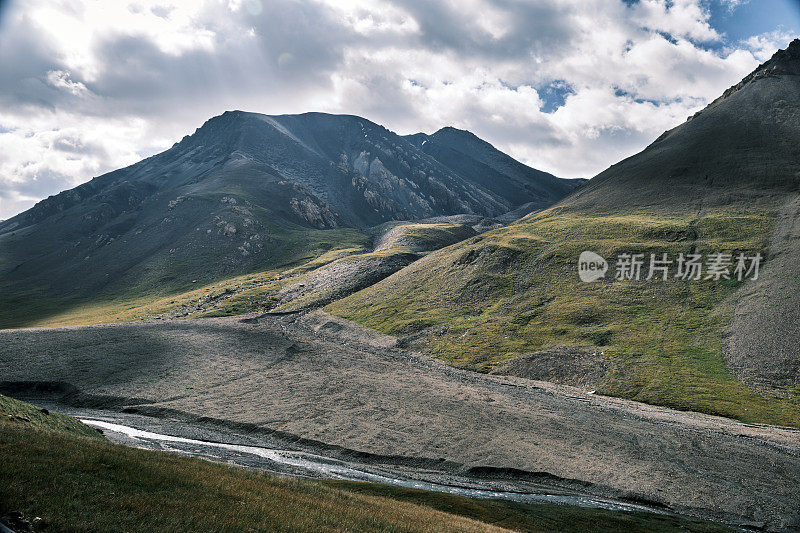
(14,413)
(74,480)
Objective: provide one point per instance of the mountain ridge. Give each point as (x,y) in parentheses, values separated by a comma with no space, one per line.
(295,147)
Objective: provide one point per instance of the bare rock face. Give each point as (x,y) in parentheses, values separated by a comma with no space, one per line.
(318,216)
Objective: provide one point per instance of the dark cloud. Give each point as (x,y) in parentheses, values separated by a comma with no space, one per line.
(25,59)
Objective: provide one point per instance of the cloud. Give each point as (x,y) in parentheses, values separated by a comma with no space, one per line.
(731,5)
(568,86)
(43,155)
(61,80)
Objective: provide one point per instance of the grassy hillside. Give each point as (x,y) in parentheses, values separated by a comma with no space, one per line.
(21,415)
(516,290)
(417,237)
(314,268)
(341,272)
(298,248)
(151,293)
(74,480)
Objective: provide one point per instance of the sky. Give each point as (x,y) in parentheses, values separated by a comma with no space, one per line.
(566,86)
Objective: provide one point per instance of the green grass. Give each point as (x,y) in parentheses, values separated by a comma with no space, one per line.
(516,290)
(77,482)
(417,236)
(301,250)
(14,413)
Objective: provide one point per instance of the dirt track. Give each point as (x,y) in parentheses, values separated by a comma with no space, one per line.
(333,382)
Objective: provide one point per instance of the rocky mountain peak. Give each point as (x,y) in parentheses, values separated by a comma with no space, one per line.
(788,59)
(783,63)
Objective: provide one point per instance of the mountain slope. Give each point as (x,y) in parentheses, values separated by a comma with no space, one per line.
(744,147)
(725,181)
(245,193)
(470,156)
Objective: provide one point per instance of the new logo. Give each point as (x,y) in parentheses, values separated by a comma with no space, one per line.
(591,266)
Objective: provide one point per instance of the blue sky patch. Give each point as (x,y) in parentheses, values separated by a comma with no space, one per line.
(754,17)
(554,95)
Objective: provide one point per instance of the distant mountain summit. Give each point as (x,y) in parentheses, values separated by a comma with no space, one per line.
(338,170)
(240,192)
(484,164)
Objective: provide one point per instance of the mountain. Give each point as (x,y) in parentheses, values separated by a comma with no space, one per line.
(345,170)
(725,181)
(744,147)
(245,192)
(482,163)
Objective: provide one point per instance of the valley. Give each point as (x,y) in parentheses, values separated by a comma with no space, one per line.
(261,378)
(407,309)
(121,487)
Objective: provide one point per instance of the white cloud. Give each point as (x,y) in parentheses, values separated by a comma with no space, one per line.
(44,154)
(76,28)
(87,87)
(679,18)
(61,80)
(763,46)
(733,4)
